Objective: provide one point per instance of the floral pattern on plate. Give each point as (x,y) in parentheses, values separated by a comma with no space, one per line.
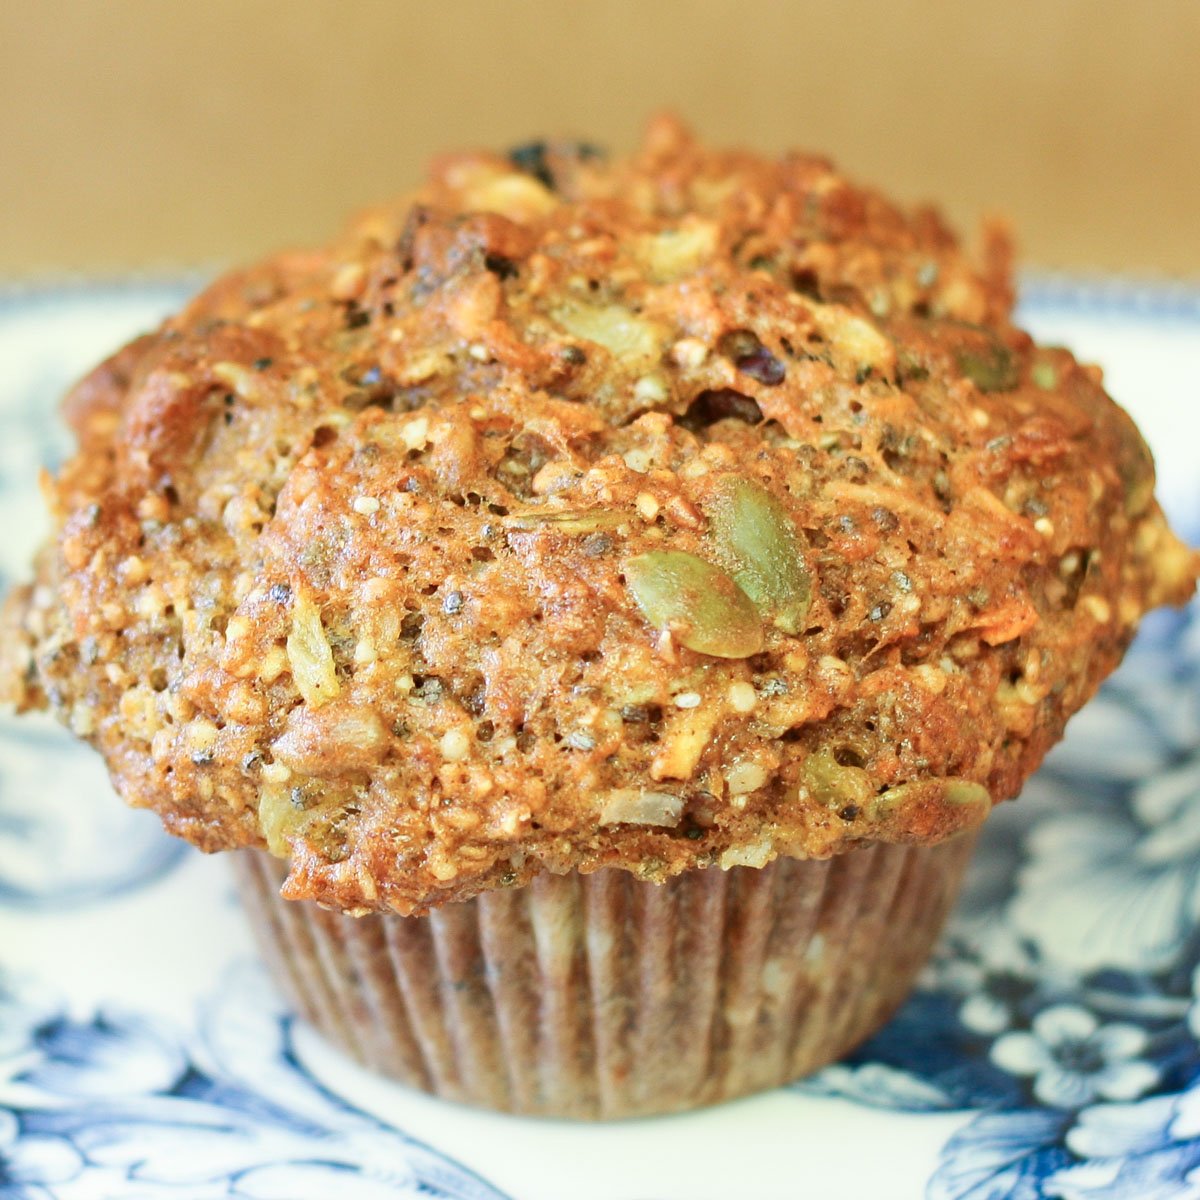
(117,1104)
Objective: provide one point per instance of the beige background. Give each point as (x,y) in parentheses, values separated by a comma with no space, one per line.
(158,133)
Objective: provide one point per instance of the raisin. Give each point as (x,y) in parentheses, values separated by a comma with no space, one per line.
(716,405)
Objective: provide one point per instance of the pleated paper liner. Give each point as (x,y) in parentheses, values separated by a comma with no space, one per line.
(601,996)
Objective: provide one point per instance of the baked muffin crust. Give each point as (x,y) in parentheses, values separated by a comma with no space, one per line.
(676,511)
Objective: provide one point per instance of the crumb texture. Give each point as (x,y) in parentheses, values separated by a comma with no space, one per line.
(680,510)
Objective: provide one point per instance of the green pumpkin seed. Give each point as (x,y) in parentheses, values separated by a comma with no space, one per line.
(990,368)
(834,785)
(965,792)
(758,542)
(961,793)
(704,609)
(1136,467)
(1045,376)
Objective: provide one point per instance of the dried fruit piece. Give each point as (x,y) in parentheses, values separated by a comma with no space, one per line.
(751,357)
(763,366)
(704,609)
(719,404)
(756,538)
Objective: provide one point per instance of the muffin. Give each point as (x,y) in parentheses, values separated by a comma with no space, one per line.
(599,599)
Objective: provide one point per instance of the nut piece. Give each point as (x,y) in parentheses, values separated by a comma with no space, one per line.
(673,253)
(633,806)
(684,741)
(757,854)
(757,540)
(698,603)
(279,819)
(339,738)
(567,520)
(855,339)
(621,332)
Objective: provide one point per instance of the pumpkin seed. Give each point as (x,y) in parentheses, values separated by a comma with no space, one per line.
(756,538)
(960,793)
(1136,467)
(1045,376)
(704,608)
(991,368)
(834,785)
(964,791)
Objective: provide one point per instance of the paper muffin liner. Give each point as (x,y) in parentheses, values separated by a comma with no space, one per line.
(601,996)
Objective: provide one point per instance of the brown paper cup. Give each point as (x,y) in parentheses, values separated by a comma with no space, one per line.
(600,996)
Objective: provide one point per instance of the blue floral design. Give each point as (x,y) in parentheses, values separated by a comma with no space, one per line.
(1002,1156)
(118,1104)
(1072,1059)
(1150,1151)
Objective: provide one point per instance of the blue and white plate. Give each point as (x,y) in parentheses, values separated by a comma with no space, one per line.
(1052,1049)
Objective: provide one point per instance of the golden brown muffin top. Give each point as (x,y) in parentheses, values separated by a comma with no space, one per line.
(674,511)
